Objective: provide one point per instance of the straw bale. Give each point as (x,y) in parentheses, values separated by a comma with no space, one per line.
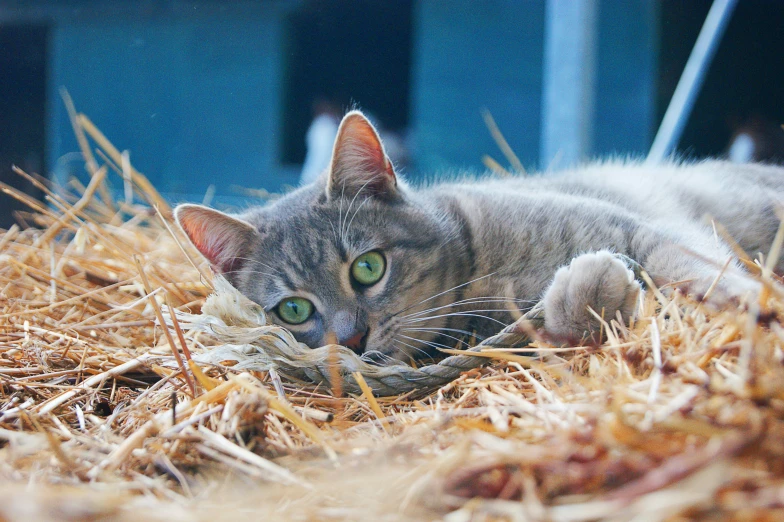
(114,404)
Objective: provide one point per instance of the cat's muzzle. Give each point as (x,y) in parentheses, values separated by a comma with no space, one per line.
(357,342)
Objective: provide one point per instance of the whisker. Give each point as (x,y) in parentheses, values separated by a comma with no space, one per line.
(446,241)
(340,211)
(468,313)
(344,233)
(444,292)
(472,300)
(439,330)
(348,227)
(351,203)
(377,356)
(434,344)
(420,350)
(431,344)
(441,334)
(249,271)
(274,269)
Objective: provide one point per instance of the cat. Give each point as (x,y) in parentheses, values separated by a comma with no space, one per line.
(393,272)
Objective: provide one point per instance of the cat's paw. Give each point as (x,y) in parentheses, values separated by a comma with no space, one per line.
(599,281)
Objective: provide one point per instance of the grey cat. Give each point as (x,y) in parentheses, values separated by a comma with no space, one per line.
(394,271)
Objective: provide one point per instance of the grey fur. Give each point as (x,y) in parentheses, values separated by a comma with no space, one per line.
(469,254)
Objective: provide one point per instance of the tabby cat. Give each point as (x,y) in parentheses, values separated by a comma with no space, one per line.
(394,271)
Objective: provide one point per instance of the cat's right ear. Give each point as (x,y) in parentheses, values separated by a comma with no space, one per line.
(359,162)
(224,240)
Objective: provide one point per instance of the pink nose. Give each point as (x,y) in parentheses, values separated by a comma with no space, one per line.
(355,343)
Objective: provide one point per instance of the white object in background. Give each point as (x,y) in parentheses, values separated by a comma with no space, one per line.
(569,81)
(742,149)
(691,80)
(319,140)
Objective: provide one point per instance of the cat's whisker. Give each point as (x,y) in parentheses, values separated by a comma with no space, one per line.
(439,330)
(446,241)
(473,300)
(479,298)
(344,218)
(249,272)
(442,293)
(431,344)
(418,350)
(377,356)
(467,313)
(340,211)
(457,339)
(262,265)
(348,227)
(256,261)
(344,230)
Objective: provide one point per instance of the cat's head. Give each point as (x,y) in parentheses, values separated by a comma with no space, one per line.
(356,254)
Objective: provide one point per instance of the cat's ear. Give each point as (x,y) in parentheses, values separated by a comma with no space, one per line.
(224,240)
(359,162)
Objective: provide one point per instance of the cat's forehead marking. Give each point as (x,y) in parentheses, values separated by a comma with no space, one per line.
(345,279)
(313,240)
(306,260)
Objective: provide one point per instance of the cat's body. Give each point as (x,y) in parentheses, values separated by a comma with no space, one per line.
(467,255)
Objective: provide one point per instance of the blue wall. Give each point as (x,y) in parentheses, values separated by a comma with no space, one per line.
(195,97)
(469,56)
(627,59)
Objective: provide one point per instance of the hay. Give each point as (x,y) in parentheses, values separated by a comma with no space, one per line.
(679,415)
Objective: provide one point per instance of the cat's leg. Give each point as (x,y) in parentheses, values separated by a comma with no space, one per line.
(598,281)
(691,259)
(703,275)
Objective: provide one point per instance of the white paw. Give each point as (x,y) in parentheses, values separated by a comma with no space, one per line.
(599,281)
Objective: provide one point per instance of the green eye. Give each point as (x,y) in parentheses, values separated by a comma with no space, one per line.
(368,268)
(295,310)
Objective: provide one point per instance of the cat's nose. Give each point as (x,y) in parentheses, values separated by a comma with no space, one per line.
(356,342)
(351,330)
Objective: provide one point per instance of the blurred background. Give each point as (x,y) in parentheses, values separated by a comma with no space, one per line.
(209,92)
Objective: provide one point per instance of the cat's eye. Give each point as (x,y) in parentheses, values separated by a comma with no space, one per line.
(369,268)
(295,310)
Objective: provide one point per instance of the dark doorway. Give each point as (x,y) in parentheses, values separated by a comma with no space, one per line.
(743,87)
(22,109)
(346,51)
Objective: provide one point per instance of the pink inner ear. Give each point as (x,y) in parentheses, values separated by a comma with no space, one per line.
(359,158)
(366,142)
(220,238)
(212,248)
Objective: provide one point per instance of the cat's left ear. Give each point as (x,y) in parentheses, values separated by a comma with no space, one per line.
(223,239)
(359,162)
